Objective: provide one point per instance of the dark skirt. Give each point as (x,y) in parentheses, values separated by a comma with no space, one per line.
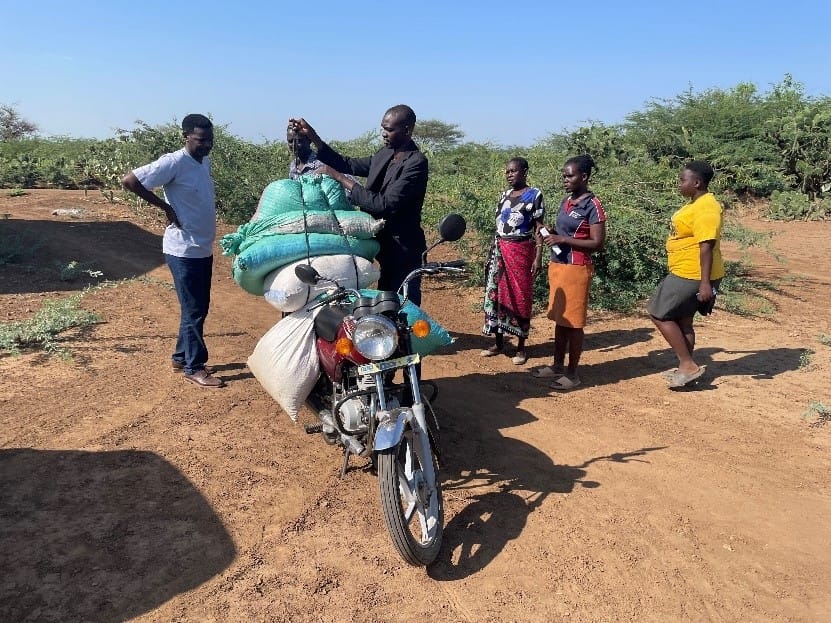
(675,298)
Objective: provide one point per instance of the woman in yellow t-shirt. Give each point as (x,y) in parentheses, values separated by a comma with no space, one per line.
(695,270)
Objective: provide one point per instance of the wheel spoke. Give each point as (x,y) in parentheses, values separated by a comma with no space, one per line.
(412,508)
(408,479)
(409,511)
(428,519)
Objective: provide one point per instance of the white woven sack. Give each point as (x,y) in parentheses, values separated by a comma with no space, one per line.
(286,292)
(285,361)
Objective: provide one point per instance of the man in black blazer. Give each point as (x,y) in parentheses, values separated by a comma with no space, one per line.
(396,182)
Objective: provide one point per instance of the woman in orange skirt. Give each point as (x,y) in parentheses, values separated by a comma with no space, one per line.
(580,231)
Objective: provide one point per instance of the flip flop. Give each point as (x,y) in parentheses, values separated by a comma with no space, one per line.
(519,359)
(565,383)
(668,374)
(681,379)
(546,372)
(490,352)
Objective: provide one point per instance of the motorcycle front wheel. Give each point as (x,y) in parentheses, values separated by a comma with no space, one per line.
(414,515)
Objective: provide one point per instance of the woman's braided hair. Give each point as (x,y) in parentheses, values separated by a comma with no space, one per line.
(584,164)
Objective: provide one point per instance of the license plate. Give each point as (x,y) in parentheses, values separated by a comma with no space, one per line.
(391,364)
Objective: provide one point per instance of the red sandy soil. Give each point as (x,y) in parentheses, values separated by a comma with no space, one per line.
(127,493)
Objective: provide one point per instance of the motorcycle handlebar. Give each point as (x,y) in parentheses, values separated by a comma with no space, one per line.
(434,267)
(428,268)
(453,264)
(340,293)
(431,268)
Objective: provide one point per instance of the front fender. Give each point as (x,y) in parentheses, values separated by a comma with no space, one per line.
(391,428)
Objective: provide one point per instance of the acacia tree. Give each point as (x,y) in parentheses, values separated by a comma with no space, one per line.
(800,129)
(434,135)
(12,125)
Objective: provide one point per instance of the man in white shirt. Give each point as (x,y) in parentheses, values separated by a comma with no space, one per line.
(189,204)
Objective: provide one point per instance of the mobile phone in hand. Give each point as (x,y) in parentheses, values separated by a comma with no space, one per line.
(544,232)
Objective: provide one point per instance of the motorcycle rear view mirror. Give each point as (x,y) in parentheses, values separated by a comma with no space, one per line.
(452,227)
(307,274)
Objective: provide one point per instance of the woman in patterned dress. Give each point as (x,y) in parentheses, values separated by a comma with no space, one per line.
(514,262)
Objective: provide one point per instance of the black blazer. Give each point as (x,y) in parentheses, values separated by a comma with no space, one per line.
(394,191)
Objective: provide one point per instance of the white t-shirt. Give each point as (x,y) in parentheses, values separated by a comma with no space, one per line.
(189,189)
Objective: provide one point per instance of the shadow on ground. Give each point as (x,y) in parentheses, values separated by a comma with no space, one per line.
(477,456)
(762,364)
(101,536)
(543,347)
(34,252)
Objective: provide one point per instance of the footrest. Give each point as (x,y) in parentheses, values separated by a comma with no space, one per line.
(311,429)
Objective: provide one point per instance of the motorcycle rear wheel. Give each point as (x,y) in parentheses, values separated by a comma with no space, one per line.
(414,516)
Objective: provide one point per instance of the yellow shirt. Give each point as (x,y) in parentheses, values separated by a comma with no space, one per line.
(693,224)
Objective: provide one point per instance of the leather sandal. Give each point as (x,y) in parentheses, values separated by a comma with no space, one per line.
(204,379)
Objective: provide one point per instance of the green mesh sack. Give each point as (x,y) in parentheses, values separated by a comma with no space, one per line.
(349,222)
(314,193)
(335,194)
(271,252)
(311,190)
(279,196)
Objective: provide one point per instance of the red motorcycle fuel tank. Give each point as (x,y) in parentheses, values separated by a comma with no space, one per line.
(330,360)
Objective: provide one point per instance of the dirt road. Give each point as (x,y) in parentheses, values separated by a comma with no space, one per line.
(128,494)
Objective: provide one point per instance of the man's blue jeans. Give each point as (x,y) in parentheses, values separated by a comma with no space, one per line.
(192,279)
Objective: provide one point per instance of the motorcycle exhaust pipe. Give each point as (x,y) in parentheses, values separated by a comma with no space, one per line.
(354,446)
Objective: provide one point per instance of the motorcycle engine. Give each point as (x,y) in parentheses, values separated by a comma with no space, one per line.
(354,414)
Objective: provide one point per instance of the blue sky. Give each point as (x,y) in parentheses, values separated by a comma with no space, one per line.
(506,72)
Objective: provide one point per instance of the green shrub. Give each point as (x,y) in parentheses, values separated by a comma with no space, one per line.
(17,248)
(820,414)
(43,163)
(774,143)
(792,206)
(41,331)
(73,269)
(741,293)
(745,237)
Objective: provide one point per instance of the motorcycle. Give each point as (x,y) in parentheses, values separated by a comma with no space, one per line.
(362,340)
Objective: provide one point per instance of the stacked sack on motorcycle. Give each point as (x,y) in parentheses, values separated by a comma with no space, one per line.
(303,221)
(285,361)
(300,220)
(287,293)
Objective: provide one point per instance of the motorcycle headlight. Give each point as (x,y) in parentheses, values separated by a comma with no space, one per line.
(375,337)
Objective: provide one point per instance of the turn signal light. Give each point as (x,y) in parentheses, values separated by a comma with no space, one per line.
(421,328)
(343,346)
